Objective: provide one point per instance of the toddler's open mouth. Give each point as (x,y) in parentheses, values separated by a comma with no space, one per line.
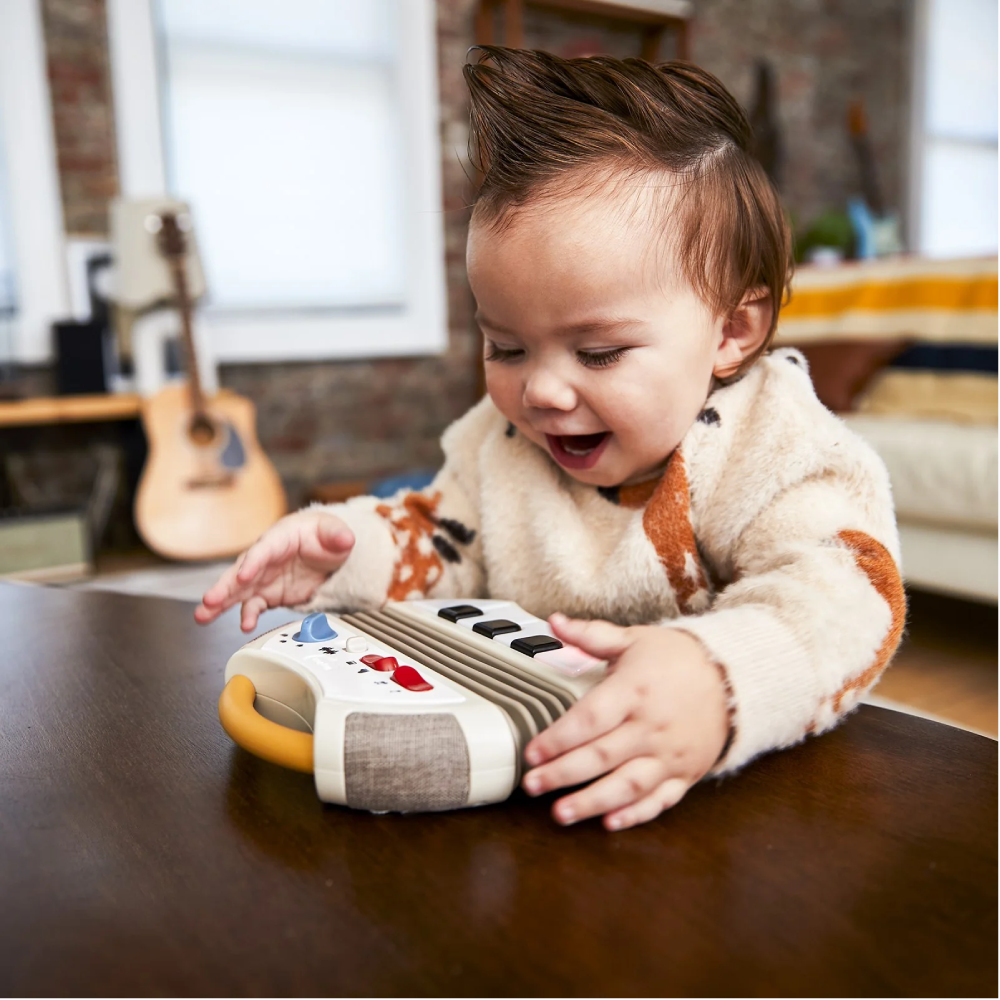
(577,451)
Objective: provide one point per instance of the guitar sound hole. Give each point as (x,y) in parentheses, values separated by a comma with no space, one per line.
(201,430)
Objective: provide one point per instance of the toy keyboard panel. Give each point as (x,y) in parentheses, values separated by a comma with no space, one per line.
(411,707)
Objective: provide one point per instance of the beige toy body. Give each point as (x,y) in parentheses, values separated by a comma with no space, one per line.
(421,706)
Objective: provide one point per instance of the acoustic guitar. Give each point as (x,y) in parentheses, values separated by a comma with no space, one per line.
(207,490)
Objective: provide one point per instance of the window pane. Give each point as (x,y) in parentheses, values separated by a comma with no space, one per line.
(962,69)
(333,27)
(284,138)
(8,295)
(959,200)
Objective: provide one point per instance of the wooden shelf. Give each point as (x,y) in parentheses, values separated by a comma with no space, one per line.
(69,409)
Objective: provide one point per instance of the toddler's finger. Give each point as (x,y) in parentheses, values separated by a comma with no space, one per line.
(630,783)
(204,615)
(598,712)
(589,761)
(664,796)
(221,596)
(250,612)
(270,547)
(334,535)
(602,639)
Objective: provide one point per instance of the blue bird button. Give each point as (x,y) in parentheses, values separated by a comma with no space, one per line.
(315,628)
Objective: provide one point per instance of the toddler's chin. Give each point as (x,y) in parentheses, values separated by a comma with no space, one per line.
(595,476)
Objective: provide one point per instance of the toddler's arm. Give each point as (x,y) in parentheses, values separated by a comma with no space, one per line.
(358,554)
(813,614)
(410,546)
(795,524)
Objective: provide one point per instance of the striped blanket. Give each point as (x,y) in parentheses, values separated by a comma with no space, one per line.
(907,336)
(945,301)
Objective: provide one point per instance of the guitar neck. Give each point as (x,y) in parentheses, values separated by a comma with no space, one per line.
(857,124)
(178,269)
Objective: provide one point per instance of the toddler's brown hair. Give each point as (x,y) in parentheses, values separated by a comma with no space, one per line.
(538,120)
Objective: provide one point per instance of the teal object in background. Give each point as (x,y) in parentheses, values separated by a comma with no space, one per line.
(863,225)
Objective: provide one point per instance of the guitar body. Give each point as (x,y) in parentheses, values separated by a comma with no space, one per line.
(207,490)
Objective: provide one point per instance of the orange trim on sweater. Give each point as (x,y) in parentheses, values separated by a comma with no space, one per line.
(874,561)
(637,496)
(418,565)
(667,523)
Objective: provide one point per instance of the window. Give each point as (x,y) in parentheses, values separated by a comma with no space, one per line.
(954,187)
(304,135)
(8,297)
(33,291)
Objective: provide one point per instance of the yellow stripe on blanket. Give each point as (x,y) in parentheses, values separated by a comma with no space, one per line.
(944,301)
(965,397)
(953,294)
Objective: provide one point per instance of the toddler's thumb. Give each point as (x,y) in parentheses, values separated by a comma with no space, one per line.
(602,639)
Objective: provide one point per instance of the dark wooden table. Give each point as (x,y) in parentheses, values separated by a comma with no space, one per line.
(142,853)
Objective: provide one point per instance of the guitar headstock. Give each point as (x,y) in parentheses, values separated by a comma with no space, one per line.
(171,231)
(857,120)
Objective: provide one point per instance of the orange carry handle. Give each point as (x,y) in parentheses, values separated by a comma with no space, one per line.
(263,738)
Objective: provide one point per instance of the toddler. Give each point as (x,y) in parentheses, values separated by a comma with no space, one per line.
(642,471)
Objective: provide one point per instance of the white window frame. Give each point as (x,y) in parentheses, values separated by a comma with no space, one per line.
(919,135)
(417,328)
(919,16)
(37,235)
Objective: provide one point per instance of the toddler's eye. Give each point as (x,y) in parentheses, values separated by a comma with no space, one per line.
(601,359)
(495,353)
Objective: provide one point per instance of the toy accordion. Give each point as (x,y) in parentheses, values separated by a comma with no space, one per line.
(421,706)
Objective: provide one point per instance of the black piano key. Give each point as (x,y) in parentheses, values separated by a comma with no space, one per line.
(457,611)
(499,626)
(531,644)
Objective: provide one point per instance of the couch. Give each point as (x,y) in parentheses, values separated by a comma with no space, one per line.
(905,351)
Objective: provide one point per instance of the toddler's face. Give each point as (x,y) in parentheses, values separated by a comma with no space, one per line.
(596,348)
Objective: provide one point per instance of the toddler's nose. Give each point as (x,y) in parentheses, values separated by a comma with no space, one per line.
(545,390)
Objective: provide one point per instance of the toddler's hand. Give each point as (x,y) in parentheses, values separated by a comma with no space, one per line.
(653,727)
(284,566)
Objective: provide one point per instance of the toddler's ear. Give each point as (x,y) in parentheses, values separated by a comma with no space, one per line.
(743,332)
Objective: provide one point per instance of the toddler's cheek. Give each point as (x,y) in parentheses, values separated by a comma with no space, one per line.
(505,395)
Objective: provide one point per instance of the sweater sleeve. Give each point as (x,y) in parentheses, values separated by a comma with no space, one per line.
(415,544)
(814,608)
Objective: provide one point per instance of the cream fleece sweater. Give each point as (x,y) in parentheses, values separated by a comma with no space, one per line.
(770,537)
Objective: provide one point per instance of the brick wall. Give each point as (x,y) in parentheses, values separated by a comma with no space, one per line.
(79,80)
(328,421)
(826,53)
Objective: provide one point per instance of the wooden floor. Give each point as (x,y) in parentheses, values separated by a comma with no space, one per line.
(945,668)
(947,664)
